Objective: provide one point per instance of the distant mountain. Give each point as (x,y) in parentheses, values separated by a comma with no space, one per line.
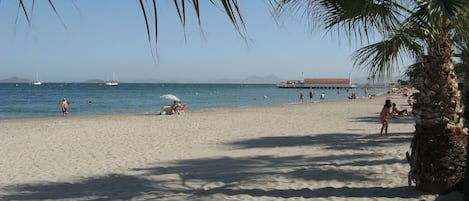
(15,80)
(94,81)
(270,79)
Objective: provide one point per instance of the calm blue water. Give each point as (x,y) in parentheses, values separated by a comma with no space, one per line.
(28,101)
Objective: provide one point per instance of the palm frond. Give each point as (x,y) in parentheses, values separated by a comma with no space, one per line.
(415,71)
(57,13)
(419,17)
(181,10)
(445,9)
(356,19)
(461,47)
(384,57)
(231,9)
(144,12)
(21,4)
(460,23)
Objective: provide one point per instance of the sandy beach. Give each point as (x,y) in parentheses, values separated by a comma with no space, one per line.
(314,151)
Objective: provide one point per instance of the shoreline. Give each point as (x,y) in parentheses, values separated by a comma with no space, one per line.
(41,102)
(327,151)
(59,116)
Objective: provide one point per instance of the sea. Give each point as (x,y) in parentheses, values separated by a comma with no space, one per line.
(24,100)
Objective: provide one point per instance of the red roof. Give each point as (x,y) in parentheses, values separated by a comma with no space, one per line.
(327,80)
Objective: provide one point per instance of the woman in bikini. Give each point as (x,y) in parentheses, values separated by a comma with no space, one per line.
(383,116)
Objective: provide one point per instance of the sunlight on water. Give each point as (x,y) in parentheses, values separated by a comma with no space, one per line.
(26,101)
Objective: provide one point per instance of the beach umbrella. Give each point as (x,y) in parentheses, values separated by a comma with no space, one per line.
(170,97)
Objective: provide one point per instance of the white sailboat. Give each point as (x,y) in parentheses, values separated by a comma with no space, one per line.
(112,82)
(37,81)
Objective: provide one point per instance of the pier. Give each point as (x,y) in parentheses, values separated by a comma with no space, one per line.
(318,83)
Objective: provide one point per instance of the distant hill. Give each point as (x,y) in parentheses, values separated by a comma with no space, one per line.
(270,79)
(15,80)
(94,81)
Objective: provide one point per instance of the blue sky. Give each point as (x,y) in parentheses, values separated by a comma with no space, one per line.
(96,39)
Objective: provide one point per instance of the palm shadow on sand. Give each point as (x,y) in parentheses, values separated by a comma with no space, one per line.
(201,178)
(397,119)
(335,141)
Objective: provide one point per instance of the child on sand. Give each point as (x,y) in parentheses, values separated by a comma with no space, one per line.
(383,116)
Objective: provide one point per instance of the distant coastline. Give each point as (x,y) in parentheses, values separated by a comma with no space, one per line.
(270,79)
(15,79)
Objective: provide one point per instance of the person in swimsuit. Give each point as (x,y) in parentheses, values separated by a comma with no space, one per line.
(396,112)
(64,105)
(311,94)
(383,116)
(302,97)
(175,107)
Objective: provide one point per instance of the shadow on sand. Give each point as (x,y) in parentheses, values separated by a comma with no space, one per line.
(397,120)
(201,178)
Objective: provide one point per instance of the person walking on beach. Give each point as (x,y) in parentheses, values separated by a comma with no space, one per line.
(383,116)
(311,94)
(64,105)
(302,97)
(323,96)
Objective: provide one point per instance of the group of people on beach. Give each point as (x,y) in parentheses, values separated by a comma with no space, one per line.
(175,108)
(64,104)
(311,95)
(322,97)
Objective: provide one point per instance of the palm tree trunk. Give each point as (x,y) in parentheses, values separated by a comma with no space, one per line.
(466,121)
(438,154)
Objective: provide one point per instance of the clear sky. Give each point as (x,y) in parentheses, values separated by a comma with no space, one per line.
(96,39)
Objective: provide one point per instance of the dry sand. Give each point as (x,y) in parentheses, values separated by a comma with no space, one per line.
(319,151)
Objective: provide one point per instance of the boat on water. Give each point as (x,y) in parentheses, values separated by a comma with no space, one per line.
(37,82)
(111,83)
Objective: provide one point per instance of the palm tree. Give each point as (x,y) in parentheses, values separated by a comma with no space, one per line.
(462,48)
(415,73)
(424,31)
(462,52)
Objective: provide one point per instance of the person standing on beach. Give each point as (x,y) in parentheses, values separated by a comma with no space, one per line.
(323,96)
(383,116)
(64,104)
(311,94)
(302,97)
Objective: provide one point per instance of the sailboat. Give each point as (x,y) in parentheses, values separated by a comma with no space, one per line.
(37,82)
(112,82)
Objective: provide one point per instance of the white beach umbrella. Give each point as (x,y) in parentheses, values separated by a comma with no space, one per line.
(170,97)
